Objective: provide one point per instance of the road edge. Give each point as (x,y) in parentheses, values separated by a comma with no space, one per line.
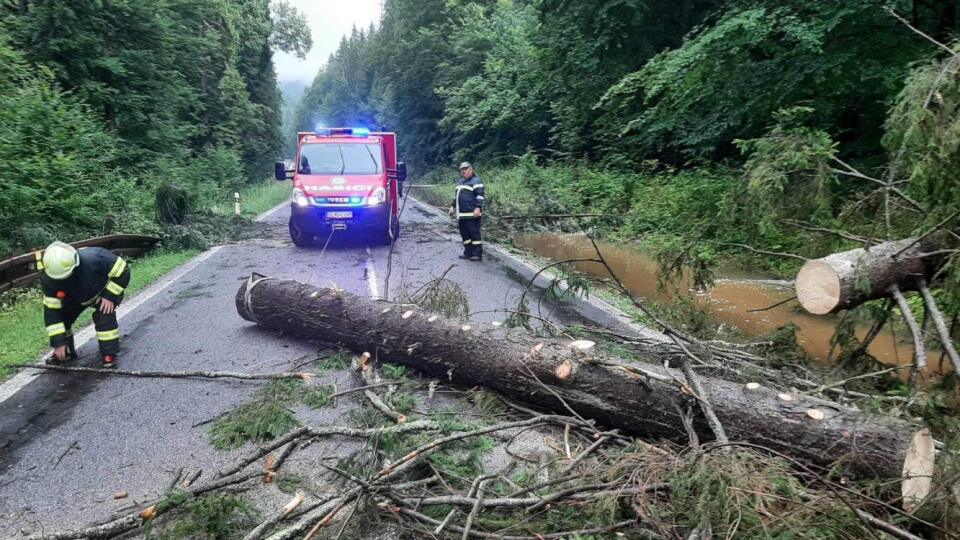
(595,309)
(11,386)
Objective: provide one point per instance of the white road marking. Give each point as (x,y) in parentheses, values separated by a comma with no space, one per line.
(81,337)
(271,211)
(372,276)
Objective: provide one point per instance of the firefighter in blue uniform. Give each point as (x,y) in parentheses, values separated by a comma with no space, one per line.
(467,207)
(74,280)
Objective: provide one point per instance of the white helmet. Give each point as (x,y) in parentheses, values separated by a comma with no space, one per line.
(59,260)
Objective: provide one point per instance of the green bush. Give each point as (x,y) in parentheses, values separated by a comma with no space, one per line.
(59,175)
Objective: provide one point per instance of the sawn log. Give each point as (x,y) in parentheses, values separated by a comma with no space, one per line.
(845,280)
(636,394)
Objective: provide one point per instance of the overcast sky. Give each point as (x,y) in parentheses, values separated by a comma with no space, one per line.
(329,21)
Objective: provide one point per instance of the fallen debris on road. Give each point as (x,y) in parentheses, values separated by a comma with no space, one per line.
(641,397)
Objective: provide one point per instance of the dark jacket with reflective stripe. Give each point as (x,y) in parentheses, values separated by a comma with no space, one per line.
(100,274)
(469,196)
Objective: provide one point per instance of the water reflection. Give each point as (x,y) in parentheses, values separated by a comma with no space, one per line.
(730,300)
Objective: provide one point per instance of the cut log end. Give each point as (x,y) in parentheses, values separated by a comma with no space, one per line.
(564,370)
(818,287)
(918,468)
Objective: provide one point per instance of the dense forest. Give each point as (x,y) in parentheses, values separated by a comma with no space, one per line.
(102,104)
(704,130)
(672,116)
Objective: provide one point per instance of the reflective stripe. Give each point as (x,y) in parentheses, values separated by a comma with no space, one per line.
(465,214)
(479,197)
(114,288)
(477,242)
(466,241)
(56,329)
(109,335)
(475,186)
(464,186)
(118,268)
(52,303)
(39,256)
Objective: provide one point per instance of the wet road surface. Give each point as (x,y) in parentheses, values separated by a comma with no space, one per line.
(69,442)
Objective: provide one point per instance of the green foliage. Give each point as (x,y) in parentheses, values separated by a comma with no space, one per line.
(60,163)
(214,517)
(402,402)
(395,371)
(258,421)
(291,31)
(442,296)
(180,92)
(844,60)
(334,362)
(171,203)
(268,414)
(500,110)
(743,495)
(461,461)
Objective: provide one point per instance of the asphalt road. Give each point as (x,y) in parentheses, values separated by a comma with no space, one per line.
(69,442)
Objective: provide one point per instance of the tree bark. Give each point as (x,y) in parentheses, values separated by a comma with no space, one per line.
(636,395)
(845,280)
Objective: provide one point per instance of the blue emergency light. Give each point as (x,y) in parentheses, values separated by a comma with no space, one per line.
(355,131)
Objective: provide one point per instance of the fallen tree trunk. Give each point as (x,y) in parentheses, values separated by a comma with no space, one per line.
(639,397)
(845,280)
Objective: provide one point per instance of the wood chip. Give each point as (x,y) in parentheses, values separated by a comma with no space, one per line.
(496,323)
(752,386)
(582,344)
(563,370)
(314,294)
(364,358)
(148,513)
(816,414)
(407,314)
(466,327)
(536,348)
(120,495)
(294,503)
(386,311)
(432,318)
(785,397)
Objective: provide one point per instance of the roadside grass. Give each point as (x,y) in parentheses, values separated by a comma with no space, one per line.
(257,198)
(22,338)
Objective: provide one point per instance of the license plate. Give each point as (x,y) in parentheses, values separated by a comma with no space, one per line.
(339,215)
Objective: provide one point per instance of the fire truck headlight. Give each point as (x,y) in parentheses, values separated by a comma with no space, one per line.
(379,196)
(299,198)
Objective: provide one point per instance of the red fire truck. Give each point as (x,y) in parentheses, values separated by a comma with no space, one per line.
(345,179)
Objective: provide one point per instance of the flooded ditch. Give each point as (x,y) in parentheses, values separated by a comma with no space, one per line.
(733,300)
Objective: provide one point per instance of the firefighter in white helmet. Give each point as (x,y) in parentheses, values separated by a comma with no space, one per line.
(74,280)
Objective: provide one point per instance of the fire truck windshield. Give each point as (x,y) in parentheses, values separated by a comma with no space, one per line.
(341,158)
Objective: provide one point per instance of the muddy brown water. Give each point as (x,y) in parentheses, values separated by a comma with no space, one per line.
(735,293)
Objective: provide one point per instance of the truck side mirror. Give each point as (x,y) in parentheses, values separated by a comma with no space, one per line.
(281,172)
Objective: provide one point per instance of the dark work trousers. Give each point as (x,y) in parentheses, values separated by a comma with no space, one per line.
(470,234)
(108,331)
